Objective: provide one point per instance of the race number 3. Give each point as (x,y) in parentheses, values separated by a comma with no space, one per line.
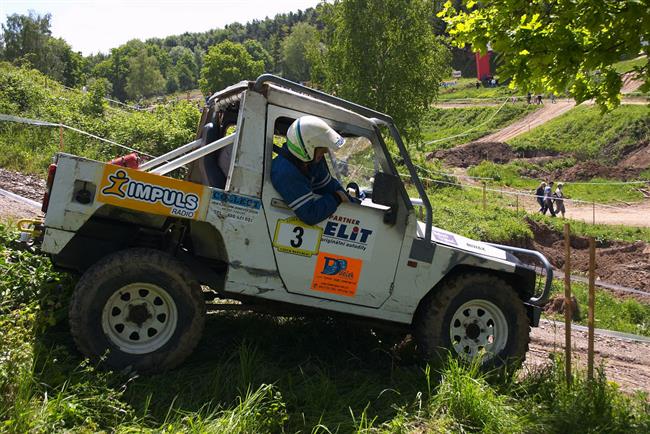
(295,237)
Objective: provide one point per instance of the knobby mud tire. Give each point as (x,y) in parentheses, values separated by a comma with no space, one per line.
(433,319)
(115,271)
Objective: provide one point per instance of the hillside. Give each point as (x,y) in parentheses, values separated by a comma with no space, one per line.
(28,94)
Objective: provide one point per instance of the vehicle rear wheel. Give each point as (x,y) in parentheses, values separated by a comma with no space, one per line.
(473,315)
(138,308)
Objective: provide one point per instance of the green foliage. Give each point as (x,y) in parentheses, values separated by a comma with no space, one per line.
(466,398)
(144,78)
(599,232)
(271,375)
(28,39)
(597,190)
(585,406)
(392,63)
(558,46)
(442,123)
(257,52)
(586,133)
(465,88)
(629,65)
(29,148)
(228,63)
(295,52)
(97,91)
(612,313)
(459,210)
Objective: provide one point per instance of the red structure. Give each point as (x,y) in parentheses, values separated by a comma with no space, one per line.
(483,65)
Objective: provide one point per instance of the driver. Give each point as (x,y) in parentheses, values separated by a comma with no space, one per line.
(300,174)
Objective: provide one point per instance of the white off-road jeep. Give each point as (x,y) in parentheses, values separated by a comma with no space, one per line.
(149,246)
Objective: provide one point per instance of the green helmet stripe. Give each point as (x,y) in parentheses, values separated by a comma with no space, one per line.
(296,149)
(300,140)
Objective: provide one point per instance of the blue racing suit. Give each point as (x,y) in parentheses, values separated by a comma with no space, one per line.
(308,189)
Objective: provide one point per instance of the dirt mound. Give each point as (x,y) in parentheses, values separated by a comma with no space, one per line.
(588,170)
(637,158)
(556,306)
(622,263)
(473,153)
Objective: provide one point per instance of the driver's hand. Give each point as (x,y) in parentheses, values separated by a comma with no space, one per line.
(343,196)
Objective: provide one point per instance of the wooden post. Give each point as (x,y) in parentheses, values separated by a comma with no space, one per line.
(484,193)
(592,303)
(517,202)
(593,212)
(567,303)
(60,137)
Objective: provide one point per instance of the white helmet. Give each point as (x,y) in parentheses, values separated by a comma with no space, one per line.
(308,133)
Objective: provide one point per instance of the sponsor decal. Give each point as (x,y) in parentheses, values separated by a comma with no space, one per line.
(444,238)
(235,206)
(467,244)
(296,237)
(347,234)
(149,193)
(336,274)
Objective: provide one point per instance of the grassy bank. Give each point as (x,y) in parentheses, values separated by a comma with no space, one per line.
(466,88)
(460,210)
(587,133)
(612,313)
(28,148)
(598,190)
(442,123)
(254,373)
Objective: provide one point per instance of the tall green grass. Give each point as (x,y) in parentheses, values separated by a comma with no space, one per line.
(259,374)
(29,148)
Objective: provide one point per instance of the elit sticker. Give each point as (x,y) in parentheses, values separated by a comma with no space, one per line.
(336,274)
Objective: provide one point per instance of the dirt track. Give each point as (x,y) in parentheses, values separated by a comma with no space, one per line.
(543,115)
(626,362)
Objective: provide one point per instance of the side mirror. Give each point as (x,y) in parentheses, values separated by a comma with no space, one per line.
(385,192)
(385,189)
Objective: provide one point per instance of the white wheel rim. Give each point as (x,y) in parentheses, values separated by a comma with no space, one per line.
(478,325)
(139,318)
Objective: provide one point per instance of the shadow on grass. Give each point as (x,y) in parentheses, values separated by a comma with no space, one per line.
(324,369)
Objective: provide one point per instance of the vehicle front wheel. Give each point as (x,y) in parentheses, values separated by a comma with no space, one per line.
(473,315)
(138,308)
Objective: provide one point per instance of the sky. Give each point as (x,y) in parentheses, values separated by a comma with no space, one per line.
(91,26)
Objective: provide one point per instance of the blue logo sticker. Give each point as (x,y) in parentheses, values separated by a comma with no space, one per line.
(334,266)
(236,199)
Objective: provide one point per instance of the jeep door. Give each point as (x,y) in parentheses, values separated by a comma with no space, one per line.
(349,257)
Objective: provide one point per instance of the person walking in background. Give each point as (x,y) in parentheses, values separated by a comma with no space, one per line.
(548,199)
(552,96)
(539,196)
(559,199)
(529,96)
(539,99)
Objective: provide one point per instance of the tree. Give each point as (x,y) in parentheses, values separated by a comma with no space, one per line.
(144,77)
(558,46)
(25,34)
(295,48)
(227,63)
(28,38)
(257,52)
(185,71)
(392,63)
